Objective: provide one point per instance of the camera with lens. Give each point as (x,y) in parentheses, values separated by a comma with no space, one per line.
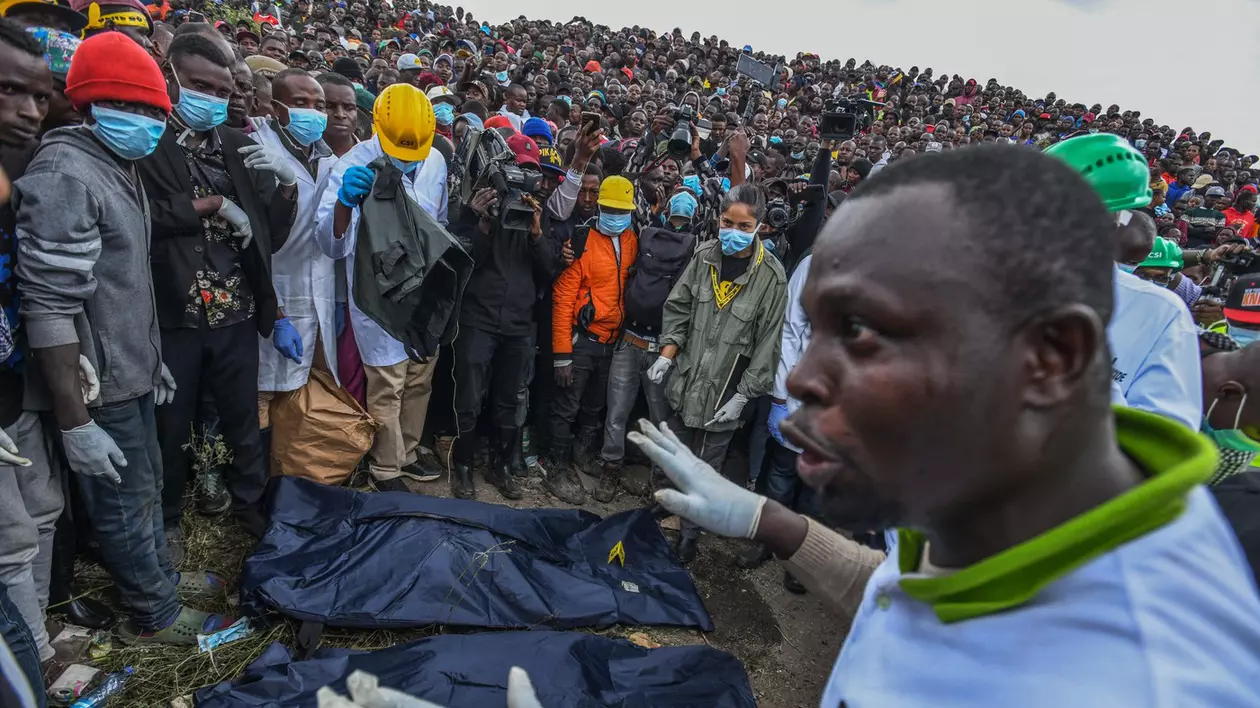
(1228,267)
(511,182)
(485,160)
(778,213)
(679,146)
(842,118)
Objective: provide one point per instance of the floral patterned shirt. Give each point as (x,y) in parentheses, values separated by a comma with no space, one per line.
(220,289)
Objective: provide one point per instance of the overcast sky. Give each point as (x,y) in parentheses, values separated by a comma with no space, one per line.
(1195,63)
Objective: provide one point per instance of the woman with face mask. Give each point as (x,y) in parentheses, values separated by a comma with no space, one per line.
(720,335)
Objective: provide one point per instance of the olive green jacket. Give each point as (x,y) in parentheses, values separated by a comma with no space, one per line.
(709,339)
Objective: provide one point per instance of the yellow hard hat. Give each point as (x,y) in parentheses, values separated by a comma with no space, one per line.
(403,120)
(617,193)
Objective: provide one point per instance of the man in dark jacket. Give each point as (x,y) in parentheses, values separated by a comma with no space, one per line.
(218,215)
(496,327)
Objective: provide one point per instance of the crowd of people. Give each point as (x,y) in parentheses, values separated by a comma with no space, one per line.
(633,226)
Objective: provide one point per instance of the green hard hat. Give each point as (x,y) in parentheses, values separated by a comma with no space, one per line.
(1113,167)
(1164,254)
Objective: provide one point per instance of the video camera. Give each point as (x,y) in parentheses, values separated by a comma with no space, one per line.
(485,160)
(1228,267)
(511,182)
(842,118)
(679,146)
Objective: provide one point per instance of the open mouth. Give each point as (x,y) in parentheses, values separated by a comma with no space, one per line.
(818,463)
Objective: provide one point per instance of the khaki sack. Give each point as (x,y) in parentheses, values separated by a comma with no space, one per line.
(319,431)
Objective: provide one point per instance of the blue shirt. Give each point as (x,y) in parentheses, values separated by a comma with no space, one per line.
(1155,352)
(1175,190)
(1169,619)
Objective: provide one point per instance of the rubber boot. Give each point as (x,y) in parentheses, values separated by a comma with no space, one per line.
(609,481)
(584,455)
(562,480)
(83,611)
(752,557)
(462,450)
(688,546)
(792,585)
(519,468)
(500,472)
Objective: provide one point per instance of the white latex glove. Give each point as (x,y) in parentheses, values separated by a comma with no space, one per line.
(366,692)
(9,452)
(165,391)
(261,157)
(92,452)
(89,384)
(703,495)
(239,220)
(656,372)
(731,410)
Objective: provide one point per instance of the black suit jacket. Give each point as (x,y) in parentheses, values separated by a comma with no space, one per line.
(177,228)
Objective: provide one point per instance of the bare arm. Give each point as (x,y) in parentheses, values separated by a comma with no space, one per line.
(60,368)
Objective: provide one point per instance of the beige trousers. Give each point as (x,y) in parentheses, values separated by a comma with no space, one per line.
(398,398)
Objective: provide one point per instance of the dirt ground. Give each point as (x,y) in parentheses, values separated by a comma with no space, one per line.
(786,642)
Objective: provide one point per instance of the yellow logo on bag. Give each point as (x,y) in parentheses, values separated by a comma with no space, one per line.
(618,552)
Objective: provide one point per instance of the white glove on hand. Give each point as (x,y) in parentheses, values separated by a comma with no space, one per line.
(703,496)
(731,410)
(261,157)
(89,384)
(9,452)
(366,692)
(92,452)
(165,391)
(656,372)
(239,220)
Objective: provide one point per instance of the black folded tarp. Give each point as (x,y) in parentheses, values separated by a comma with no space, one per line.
(568,670)
(392,559)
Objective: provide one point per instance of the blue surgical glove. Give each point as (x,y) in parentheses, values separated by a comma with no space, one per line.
(286,339)
(339,318)
(778,411)
(355,185)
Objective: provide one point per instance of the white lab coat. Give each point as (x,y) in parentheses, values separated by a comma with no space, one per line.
(1155,363)
(303,279)
(426,187)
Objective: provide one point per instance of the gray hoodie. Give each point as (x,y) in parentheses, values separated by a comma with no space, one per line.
(83,264)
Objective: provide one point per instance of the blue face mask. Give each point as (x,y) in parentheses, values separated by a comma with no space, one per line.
(798,155)
(1127,267)
(445,113)
(1242,336)
(733,240)
(613,224)
(721,92)
(692,182)
(406,167)
(501,77)
(200,111)
(306,125)
(127,135)
(1139,143)
(782,102)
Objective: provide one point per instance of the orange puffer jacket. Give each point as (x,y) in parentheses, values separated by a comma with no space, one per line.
(589,296)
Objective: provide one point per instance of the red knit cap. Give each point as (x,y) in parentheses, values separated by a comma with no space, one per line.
(110,66)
